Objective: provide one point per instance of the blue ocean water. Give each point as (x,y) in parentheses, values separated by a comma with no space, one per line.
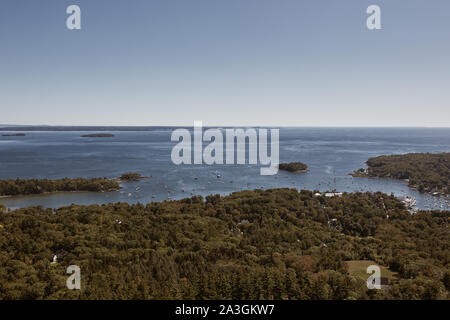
(330,153)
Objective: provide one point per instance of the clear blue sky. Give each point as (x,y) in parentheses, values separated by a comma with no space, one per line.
(225,62)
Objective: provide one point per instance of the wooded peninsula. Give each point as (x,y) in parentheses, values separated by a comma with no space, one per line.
(426,172)
(273,244)
(14,187)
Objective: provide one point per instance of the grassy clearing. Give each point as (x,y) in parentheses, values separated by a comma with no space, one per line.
(358,268)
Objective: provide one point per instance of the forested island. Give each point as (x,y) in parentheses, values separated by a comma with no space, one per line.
(426,172)
(273,244)
(131,176)
(298,167)
(98,135)
(14,135)
(14,187)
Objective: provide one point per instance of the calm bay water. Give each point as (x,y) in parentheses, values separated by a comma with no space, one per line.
(330,153)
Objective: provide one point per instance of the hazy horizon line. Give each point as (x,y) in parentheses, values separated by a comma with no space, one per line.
(25,126)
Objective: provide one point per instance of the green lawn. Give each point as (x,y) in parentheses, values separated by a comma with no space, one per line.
(358,268)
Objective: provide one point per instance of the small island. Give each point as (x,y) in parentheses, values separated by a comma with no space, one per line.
(131,176)
(16,187)
(98,135)
(14,135)
(426,172)
(297,167)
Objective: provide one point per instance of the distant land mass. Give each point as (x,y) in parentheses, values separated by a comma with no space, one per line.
(105,128)
(85,128)
(98,135)
(13,135)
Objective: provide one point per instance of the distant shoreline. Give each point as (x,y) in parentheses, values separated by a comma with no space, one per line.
(14,135)
(32,128)
(98,135)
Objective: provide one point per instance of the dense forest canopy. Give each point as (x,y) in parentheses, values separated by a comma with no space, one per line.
(274,244)
(427,172)
(14,187)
